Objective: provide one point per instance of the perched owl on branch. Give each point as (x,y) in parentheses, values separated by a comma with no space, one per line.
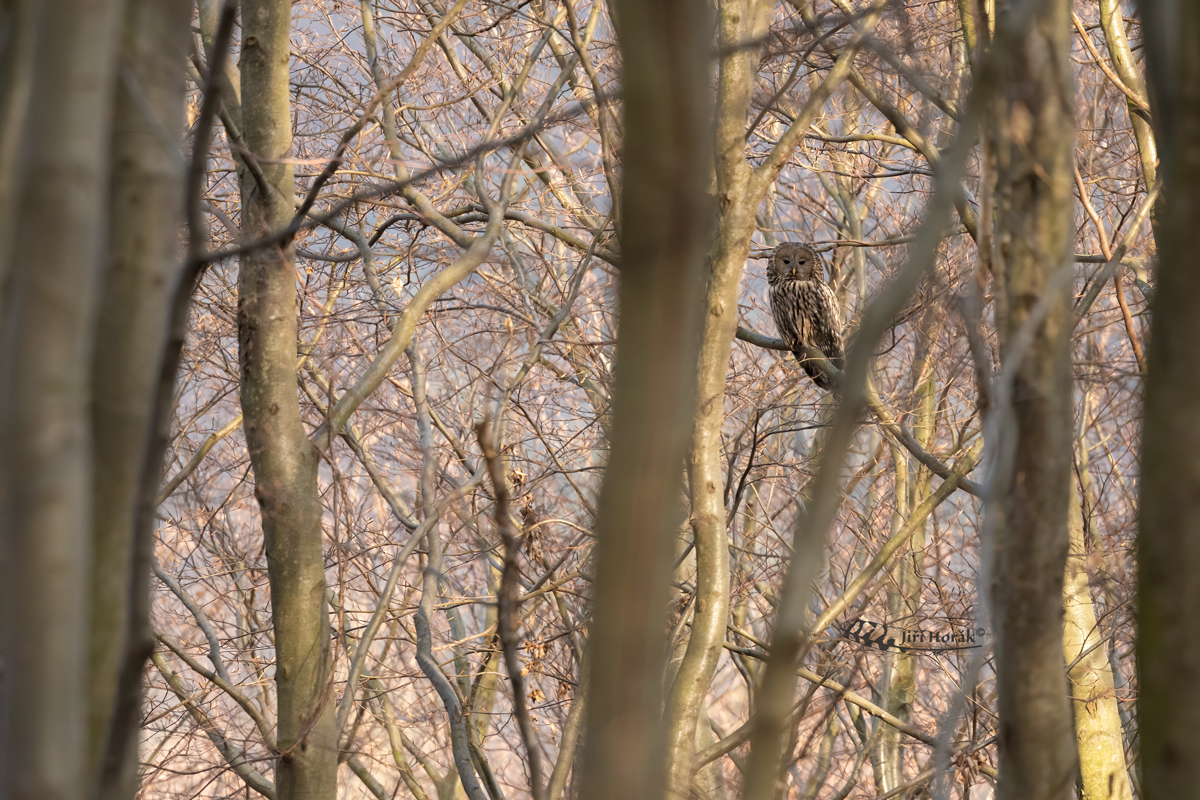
(805,310)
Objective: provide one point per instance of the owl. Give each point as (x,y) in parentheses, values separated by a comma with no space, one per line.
(804,308)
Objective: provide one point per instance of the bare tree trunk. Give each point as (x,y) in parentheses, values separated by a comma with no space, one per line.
(55,265)
(16,79)
(1035,231)
(1169,520)
(740,22)
(665,224)
(146,208)
(283,459)
(1112,20)
(904,597)
(1098,736)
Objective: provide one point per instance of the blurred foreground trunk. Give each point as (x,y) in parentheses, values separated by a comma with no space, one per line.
(146,208)
(1034,135)
(663,241)
(59,201)
(1169,523)
(90,233)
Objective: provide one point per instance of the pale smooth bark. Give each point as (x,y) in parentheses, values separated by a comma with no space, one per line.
(900,669)
(904,595)
(665,224)
(569,740)
(709,781)
(1034,202)
(283,459)
(1169,521)
(60,197)
(1098,734)
(1112,20)
(741,21)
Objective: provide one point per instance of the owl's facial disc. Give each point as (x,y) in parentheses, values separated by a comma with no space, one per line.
(790,262)
(793,263)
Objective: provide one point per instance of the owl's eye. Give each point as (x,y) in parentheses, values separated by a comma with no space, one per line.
(787,261)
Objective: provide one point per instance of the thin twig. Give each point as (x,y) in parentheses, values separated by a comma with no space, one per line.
(1114,261)
(213,438)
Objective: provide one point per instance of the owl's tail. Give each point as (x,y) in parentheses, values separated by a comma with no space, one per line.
(814,370)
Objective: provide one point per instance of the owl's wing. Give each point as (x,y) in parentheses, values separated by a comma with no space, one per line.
(806,314)
(787,310)
(826,325)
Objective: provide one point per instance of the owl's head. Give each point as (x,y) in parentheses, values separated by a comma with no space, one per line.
(794,262)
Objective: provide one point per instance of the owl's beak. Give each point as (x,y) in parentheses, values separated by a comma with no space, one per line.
(793,272)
